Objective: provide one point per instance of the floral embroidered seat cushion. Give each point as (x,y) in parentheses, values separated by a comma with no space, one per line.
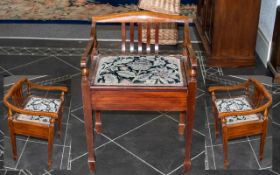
(235,104)
(40,104)
(139,71)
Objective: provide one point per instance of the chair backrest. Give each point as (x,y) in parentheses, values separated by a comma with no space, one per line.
(144,20)
(18,93)
(260,95)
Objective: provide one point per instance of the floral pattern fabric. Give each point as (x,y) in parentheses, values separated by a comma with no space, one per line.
(235,104)
(40,104)
(139,71)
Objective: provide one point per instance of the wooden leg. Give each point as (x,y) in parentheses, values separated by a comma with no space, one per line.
(50,144)
(262,141)
(98,123)
(190,122)
(13,139)
(216,126)
(225,147)
(59,123)
(88,119)
(182,121)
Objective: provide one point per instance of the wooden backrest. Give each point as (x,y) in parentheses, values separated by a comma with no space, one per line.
(18,93)
(260,95)
(143,20)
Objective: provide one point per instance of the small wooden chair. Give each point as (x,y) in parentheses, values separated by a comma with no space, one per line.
(241,116)
(32,115)
(139,80)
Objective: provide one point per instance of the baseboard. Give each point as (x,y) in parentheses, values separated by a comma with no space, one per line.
(263,47)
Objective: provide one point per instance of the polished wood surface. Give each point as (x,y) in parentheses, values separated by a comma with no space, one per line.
(228,30)
(142,98)
(15,99)
(260,99)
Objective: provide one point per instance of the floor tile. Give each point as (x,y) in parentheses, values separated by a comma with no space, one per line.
(111,160)
(276,146)
(11,61)
(239,151)
(116,123)
(48,66)
(78,145)
(8,158)
(161,133)
(267,156)
(35,157)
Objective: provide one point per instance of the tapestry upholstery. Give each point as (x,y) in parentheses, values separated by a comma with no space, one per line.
(40,104)
(235,104)
(139,71)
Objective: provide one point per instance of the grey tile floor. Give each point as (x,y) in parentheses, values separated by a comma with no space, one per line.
(131,142)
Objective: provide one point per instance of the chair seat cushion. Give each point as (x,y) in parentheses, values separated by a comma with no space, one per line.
(139,71)
(235,104)
(40,104)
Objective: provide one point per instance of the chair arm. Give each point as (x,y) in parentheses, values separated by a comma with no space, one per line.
(28,112)
(48,88)
(228,88)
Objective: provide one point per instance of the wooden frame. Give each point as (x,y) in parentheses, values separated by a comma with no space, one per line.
(260,100)
(15,100)
(141,98)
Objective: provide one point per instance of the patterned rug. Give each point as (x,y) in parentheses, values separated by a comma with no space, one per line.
(65,9)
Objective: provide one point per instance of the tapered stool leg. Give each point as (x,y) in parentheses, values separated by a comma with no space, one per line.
(182,121)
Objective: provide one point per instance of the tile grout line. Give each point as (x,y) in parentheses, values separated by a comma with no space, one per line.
(274,172)
(111,140)
(76,109)
(5,70)
(24,146)
(66,132)
(38,142)
(76,117)
(78,157)
(74,67)
(69,165)
(211,142)
(31,62)
(168,116)
(256,158)
(134,155)
(236,142)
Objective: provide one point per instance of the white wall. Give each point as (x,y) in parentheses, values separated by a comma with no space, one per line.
(266,26)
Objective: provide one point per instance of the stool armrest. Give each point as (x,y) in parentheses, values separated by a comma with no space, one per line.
(246,112)
(228,88)
(29,112)
(48,88)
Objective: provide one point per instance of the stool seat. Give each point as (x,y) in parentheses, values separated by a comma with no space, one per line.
(139,71)
(235,104)
(40,104)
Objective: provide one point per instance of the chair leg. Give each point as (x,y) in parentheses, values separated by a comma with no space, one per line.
(262,141)
(13,139)
(182,121)
(98,124)
(225,147)
(216,122)
(50,144)
(60,123)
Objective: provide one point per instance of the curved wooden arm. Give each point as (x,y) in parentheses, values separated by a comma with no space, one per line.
(247,112)
(28,112)
(243,85)
(48,88)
